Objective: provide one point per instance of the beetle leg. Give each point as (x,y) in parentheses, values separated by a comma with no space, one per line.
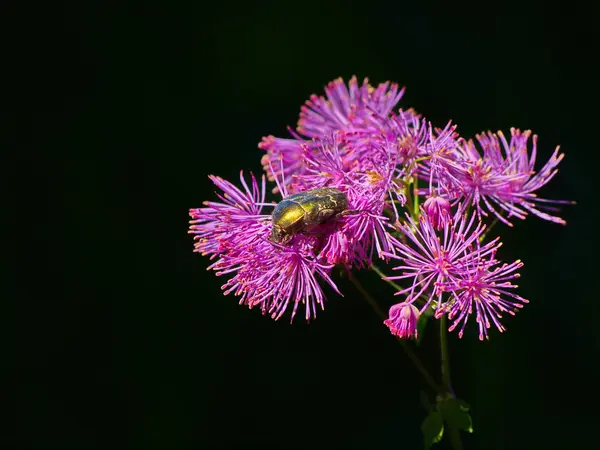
(348,212)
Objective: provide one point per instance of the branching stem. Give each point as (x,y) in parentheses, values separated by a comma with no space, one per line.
(414,358)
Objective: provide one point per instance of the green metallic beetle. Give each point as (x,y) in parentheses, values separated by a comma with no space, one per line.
(299,212)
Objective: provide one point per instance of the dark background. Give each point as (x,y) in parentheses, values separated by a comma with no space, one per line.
(123,339)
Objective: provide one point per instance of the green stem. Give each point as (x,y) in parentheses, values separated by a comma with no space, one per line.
(409,200)
(422,158)
(445,356)
(455,441)
(416,161)
(378,271)
(453,432)
(468,210)
(420,301)
(414,358)
(416,198)
(484,235)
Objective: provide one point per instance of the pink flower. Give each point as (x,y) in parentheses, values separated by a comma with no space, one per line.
(273,277)
(454,273)
(402,321)
(484,291)
(349,109)
(501,179)
(438,211)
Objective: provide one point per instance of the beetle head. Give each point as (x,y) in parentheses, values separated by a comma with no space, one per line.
(279,236)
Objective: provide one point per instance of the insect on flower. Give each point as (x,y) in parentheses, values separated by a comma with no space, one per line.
(304,210)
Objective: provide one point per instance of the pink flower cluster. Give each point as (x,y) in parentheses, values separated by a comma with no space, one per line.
(351,139)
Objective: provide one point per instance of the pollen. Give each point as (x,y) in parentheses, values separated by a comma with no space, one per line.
(374,177)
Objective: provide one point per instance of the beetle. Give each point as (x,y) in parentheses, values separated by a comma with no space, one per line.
(301,211)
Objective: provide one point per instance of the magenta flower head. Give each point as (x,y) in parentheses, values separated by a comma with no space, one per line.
(235,232)
(429,259)
(501,180)
(452,271)
(415,138)
(402,321)
(215,225)
(357,181)
(483,290)
(365,230)
(346,108)
(343,177)
(409,134)
(367,180)
(279,275)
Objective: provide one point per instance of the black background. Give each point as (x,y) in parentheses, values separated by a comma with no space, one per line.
(123,340)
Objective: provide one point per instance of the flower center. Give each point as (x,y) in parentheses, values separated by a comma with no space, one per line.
(479,173)
(407,147)
(374,177)
(441,261)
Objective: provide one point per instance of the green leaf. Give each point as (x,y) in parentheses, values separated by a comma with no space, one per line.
(432,428)
(456,414)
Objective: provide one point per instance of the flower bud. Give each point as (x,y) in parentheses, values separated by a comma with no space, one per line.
(438,211)
(402,322)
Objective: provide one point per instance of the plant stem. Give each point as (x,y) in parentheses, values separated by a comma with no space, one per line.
(455,438)
(416,197)
(416,161)
(484,235)
(409,200)
(420,302)
(453,432)
(414,358)
(378,271)
(445,356)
